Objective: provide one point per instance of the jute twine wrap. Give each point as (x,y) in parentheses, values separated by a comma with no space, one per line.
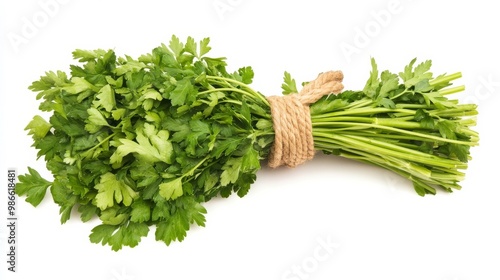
(293,142)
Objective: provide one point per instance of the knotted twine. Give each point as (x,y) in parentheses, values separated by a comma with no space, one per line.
(293,142)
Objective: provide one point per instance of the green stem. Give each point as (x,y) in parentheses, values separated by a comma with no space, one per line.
(327,125)
(459,111)
(363,111)
(408,170)
(102,142)
(384,148)
(401,93)
(445,79)
(451,90)
(191,171)
(404,122)
(248,94)
(249,91)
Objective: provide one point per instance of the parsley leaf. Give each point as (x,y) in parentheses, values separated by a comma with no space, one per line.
(289,85)
(33,186)
(111,190)
(171,189)
(204,47)
(151,145)
(141,211)
(231,171)
(106,98)
(183,93)
(119,236)
(38,127)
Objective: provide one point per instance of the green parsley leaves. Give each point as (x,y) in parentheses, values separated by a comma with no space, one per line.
(143,143)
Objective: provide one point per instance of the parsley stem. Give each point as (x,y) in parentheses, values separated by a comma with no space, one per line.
(249,91)
(325,126)
(445,79)
(385,148)
(102,142)
(460,111)
(413,106)
(445,177)
(400,94)
(451,90)
(191,171)
(232,89)
(364,111)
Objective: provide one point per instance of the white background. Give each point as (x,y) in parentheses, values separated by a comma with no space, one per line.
(375,225)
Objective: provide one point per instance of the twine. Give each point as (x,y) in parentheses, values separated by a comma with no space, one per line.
(293,142)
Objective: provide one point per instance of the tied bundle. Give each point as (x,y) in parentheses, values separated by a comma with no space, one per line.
(145,142)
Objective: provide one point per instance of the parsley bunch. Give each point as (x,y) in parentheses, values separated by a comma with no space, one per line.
(143,142)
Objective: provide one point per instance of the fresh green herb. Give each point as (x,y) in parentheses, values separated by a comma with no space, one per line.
(143,142)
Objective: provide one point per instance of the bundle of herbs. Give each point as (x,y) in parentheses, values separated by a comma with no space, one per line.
(143,142)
